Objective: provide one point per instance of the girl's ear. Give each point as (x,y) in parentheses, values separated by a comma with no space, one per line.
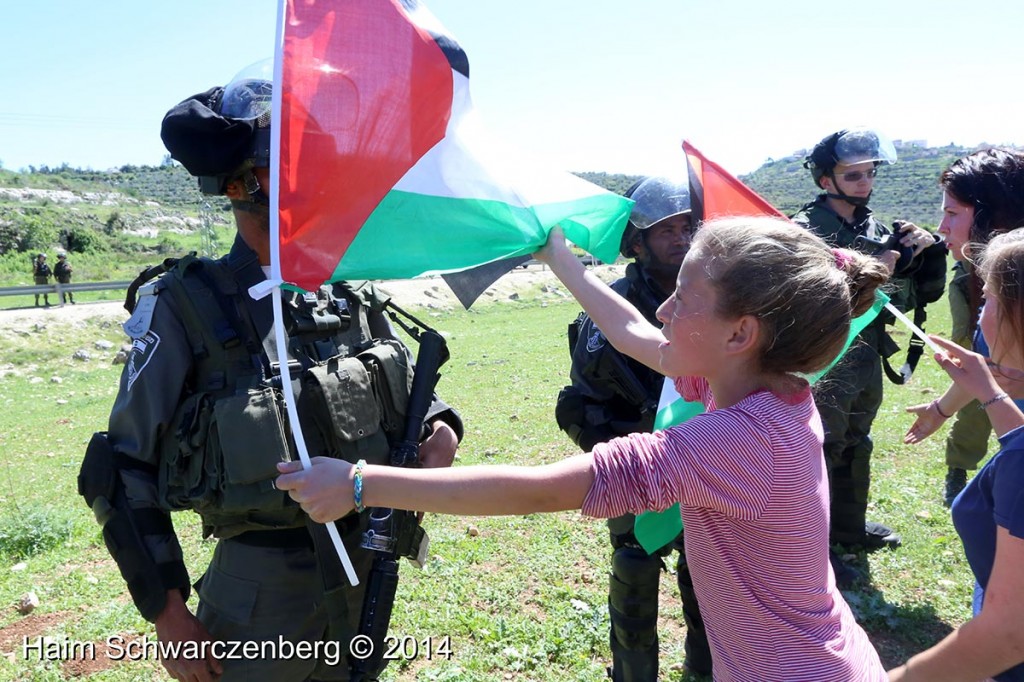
(746,335)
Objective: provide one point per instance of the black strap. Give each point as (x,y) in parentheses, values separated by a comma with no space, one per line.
(131,298)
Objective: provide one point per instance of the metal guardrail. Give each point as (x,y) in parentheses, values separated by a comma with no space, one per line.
(57,288)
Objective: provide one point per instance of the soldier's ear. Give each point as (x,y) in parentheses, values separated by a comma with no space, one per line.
(235,189)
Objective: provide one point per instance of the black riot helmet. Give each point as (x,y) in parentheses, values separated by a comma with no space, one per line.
(849,147)
(655,199)
(224,133)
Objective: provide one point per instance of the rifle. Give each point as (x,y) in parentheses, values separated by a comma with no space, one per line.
(394,533)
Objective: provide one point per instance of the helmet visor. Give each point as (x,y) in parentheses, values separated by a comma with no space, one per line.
(249,95)
(658,198)
(860,145)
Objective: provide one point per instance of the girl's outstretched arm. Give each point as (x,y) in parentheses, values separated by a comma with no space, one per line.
(326,491)
(620,322)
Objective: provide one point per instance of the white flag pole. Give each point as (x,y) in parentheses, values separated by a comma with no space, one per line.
(917,331)
(276,280)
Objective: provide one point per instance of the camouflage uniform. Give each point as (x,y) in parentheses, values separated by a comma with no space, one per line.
(613,395)
(264,580)
(849,396)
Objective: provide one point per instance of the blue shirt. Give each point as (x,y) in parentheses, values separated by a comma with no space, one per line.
(995,497)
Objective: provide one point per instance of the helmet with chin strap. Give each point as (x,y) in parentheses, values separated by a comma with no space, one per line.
(224,133)
(848,147)
(655,199)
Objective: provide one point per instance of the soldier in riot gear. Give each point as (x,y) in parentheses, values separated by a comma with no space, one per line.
(41,273)
(62,273)
(843,165)
(613,395)
(199,421)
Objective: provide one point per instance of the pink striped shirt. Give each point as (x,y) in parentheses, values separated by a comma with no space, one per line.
(754,492)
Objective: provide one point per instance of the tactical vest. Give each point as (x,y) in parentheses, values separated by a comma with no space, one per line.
(218,455)
(611,394)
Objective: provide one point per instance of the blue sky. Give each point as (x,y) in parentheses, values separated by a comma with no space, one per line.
(581,84)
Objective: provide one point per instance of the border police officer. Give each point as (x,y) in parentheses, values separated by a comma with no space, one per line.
(844,165)
(199,422)
(62,273)
(41,275)
(613,395)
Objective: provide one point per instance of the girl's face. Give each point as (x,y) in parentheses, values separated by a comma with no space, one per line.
(695,334)
(955,226)
(1003,347)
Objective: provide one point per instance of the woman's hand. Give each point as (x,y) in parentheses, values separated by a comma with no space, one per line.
(324,491)
(969,370)
(928,422)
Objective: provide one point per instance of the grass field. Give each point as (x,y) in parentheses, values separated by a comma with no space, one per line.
(521,598)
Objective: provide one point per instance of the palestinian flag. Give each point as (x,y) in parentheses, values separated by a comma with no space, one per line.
(384,169)
(714,193)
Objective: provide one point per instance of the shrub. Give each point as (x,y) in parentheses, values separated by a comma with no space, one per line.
(24,534)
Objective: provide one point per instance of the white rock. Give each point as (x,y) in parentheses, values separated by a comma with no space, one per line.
(28,603)
(103,344)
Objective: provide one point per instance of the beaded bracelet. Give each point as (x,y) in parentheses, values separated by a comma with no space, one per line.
(935,404)
(994,399)
(357,486)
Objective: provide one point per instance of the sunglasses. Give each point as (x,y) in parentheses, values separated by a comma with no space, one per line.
(856,176)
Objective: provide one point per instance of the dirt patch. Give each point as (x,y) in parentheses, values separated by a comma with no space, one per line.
(77,659)
(15,634)
(88,665)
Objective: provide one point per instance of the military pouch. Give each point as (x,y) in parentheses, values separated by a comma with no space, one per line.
(391,380)
(188,478)
(342,406)
(252,440)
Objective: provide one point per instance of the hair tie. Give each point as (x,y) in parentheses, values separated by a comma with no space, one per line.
(843,258)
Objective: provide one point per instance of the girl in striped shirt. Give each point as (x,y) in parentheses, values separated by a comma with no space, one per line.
(758,303)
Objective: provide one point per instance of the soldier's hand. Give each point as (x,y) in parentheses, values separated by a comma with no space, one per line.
(914,237)
(438,450)
(176,624)
(889,259)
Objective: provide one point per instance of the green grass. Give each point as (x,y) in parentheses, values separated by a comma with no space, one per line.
(521,598)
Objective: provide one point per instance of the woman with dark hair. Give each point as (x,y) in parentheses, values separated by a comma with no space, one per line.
(989,514)
(989,185)
(982,196)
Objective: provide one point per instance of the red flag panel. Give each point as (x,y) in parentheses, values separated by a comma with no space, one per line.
(365,93)
(720,193)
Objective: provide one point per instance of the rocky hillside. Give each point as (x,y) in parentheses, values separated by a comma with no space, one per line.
(115,221)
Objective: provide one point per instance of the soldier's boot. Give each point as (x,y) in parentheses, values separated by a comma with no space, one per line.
(698,651)
(956,480)
(633,607)
(37,300)
(46,299)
